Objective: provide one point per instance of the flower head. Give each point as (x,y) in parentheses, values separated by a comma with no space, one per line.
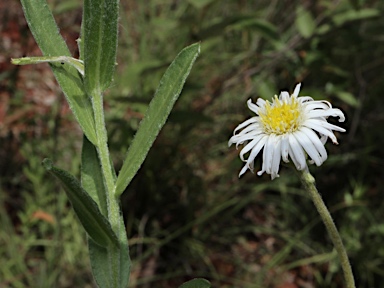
(289,126)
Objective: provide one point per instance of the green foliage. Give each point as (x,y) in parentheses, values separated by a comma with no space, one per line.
(196,283)
(45,32)
(99,37)
(92,180)
(242,61)
(96,225)
(92,177)
(192,216)
(305,23)
(47,244)
(111,261)
(165,97)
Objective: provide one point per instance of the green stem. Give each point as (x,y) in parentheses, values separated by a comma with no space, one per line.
(109,178)
(309,183)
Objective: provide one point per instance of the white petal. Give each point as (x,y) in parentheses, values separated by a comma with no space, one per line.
(253,107)
(251,165)
(297,90)
(276,158)
(257,149)
(308,146)
(293,158)
(326,113)
(315,105)
(296,152)
(317,125)
(249,146)
(243,170)
(238,139)
(246,123)
(252,127)
(304,99)
(268,154)
(264,155)
(325,102)
(284,96)
(323,139)
(329,126)
(241,139)
(284,148)
(316,141)
(260,102)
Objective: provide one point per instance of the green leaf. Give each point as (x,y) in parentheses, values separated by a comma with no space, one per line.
(304,22)
(44,28)
(99,264)
(125,260)
(100,257)
(348,98)
(96,225)
(47,36)
(196,283)
(263,27)
(75,63)
(161,105)
(100,43)
(92,176)
(354,15)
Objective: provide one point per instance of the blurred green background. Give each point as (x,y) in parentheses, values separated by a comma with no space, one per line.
(187,214)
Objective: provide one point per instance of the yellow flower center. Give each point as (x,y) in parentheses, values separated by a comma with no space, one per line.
(281,117)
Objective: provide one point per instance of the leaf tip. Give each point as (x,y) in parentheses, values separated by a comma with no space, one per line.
(15,61)
(47,163)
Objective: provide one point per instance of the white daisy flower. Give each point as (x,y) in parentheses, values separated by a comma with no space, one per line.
(290,126)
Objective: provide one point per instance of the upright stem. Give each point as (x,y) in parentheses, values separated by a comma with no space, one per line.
(309,183)
(109,178)
(102,148)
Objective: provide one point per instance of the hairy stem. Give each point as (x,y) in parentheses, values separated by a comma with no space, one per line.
(309,183)
(109,179)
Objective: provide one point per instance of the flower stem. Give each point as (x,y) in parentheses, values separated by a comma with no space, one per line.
(309,183)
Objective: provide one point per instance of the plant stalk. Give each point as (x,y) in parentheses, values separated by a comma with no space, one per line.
(309,183)
(109,179)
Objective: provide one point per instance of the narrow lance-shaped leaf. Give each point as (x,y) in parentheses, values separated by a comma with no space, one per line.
(353,15)
(92,181)
(99,38)
(47,36)
(100,266)
(92,176)
(75,63)
(96,225)
(165,97)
